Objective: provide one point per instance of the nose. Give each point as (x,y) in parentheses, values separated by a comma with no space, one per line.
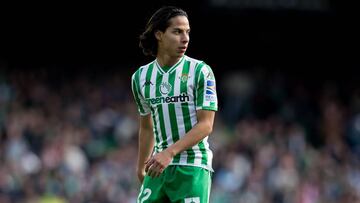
(185,38)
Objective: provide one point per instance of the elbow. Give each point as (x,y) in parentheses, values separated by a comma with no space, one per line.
(208,129)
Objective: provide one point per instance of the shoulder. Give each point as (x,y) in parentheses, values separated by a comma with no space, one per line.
(195,62)
(199,65)
(140,69)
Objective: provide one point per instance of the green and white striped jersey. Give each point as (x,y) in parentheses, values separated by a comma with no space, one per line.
(172,97)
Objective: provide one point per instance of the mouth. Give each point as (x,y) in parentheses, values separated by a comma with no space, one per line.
(182,49)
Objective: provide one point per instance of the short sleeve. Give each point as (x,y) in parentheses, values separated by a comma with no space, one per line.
(205,89)
(142,106)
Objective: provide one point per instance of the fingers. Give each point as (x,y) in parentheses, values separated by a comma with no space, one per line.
(151,172)
(156,164)
(155,169)
(148,163)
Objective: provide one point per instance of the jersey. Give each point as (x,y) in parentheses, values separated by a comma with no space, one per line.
(172,97)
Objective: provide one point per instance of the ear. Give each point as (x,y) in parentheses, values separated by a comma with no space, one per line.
(158,35)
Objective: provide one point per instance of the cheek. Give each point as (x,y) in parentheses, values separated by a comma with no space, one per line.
(172,42)
(173,39)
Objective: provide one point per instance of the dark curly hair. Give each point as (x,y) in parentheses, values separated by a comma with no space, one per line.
(158,21)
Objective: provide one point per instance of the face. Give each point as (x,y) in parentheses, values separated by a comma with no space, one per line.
(174,41)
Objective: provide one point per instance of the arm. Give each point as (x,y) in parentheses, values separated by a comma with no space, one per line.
(146,144)
(203,128)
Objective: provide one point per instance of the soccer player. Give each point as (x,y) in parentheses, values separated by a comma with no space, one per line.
(176,98)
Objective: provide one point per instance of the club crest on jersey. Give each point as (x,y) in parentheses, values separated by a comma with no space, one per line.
(165,88)
(184,77)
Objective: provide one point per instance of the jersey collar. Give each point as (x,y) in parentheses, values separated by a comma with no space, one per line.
(162,71)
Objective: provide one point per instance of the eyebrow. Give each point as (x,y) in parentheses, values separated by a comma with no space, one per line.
(179,29)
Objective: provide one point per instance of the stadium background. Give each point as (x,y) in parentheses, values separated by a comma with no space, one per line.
(289,97)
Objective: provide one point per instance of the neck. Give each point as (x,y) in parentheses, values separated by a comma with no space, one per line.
(166,60)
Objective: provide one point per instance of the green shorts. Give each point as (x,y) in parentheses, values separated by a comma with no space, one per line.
(178,184)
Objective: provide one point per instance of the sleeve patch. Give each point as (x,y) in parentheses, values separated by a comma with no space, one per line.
(210,91)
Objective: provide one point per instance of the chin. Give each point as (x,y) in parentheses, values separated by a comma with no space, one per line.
(181,54)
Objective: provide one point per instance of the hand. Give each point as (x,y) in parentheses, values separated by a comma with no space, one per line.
(157,164)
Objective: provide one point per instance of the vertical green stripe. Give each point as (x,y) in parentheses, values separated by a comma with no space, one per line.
(186,111)
(198,68)
(200,91)
(172,115)
(148,78)
(155,129)
(136,91)
(153,112)
(199,95)
(185,106)
(147,95)
(162,126)
(204,158)
(159,78)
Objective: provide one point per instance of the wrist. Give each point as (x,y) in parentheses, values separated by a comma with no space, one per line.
(170,151)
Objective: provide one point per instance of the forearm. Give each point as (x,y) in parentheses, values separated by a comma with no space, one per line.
(146,145)
(155,166)
(194,136)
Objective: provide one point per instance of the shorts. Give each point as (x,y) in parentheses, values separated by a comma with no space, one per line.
(177,184)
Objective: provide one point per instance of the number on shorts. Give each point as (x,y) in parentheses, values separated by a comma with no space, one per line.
(147,193)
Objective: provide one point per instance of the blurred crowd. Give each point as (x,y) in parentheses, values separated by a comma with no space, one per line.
(71,137)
